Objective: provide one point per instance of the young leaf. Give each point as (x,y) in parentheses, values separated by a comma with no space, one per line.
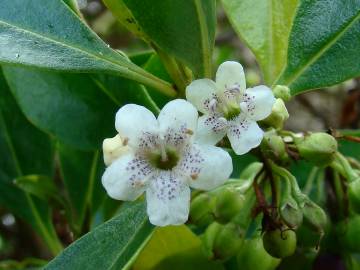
(184,29)
(50,35)
(324,45)
(24,150)
(265,27)
(112,245)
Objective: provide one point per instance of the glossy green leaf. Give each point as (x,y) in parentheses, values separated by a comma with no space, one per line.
(81,172)
(24,150)
(324,45)
(173,247)
(182,28)
(265,26)
(112,245)
(50,35)
(79,109)
(70,106)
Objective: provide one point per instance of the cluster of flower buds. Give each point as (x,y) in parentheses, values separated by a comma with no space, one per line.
(224,214)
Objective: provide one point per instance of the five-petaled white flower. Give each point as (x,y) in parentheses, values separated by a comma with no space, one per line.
(229,108)
(164,160)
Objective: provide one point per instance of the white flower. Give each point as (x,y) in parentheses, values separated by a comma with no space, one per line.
(164,161)
(229,108)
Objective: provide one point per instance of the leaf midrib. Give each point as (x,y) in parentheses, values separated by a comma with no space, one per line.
(143,223)
(70,46)
(322,51)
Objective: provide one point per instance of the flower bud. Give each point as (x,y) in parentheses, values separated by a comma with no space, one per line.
(280,243)
(221,242)
(278,116)
(282,91)
(113,148)
(252,253)
(314,216)
(228,203)
(354,195)
(290,211)
(318,148)
(291,214)
(273,146)
(349,234)
(201,210)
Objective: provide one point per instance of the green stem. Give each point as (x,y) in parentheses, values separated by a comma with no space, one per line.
(350,174)
(173,68)
(297,193)
(146,78)
(310,181)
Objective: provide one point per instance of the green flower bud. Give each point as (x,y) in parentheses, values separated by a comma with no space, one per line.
(278,116)
(291,214)
(314,216)
(318,148)
(280,244)
(222,241)
(349,234)
(354,195)
(290,211)
(228,203)
(252,253)
(282,91)
(201,210)
(273,146)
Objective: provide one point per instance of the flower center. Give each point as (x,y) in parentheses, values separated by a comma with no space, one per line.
(164,159)
(231,110)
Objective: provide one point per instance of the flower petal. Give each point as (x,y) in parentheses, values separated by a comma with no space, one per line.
(200,92)
(132,121)
(113,148)
(168,199)
(178,114)
(230,74)
(244,134)
(211,129)
(125,179)
(208,166)
(257,102)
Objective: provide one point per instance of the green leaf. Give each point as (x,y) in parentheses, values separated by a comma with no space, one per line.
(324,45)
(173,247)
(79,109)
(70,106)
(24,150)
(52,36)
(112,245)
(81,172)
(184,29)
(265,26)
